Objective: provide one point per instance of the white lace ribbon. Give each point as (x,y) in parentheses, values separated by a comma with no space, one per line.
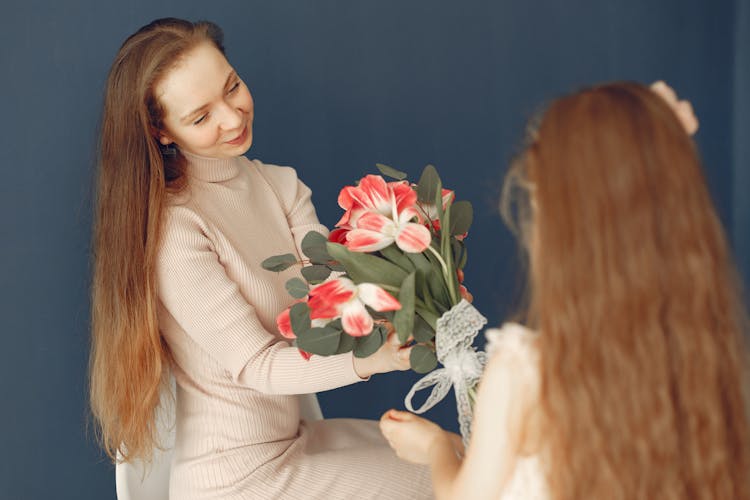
(462,364)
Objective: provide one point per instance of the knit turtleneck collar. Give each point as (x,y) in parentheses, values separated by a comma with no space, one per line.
(212,169)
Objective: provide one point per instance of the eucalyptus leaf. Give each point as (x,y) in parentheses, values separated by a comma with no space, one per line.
(278,263)
(391,172)
(366,268)
(314,247)
(297,288)
(299,316)
(403,320)
(422,359)
(427,185)
(323,341)
(316,273)
(346,343)
(462,215)
(369,344)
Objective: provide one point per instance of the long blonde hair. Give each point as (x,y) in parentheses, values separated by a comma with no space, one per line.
(129,360)
(634,292)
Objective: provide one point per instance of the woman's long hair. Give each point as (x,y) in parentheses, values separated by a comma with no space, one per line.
(128,358)
(638,305)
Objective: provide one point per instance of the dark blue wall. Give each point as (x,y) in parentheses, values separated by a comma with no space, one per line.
(339,86)
(741,108)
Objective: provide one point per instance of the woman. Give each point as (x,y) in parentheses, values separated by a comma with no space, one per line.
(183,224)
(633,386)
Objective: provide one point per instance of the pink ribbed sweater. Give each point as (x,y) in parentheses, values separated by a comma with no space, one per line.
(239,434)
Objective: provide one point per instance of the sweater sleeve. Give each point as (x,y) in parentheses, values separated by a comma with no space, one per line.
(209,306)
(296,200)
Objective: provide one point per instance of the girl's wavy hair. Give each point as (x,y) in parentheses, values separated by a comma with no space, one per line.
(129,360)
(637,301)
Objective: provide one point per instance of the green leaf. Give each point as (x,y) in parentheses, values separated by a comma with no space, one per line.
(366,268)
(320,340)
(299,315)
(422,330)
(346,343)
(278,263)
(297,288)
(436,282)
(462,215)
(335,266)
(459,253)
(369,344)
(395,255)
(438,195)
(427,185)
(316,273)
(422,359)
(391,172)
(403,320)
(429,316)
(314,247)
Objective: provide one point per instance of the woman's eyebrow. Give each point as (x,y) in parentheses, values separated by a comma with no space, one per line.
(201,108)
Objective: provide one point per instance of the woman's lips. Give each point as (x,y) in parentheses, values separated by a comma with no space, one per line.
(240,138)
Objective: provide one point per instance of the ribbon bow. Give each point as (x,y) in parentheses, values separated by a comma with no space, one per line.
(462,364)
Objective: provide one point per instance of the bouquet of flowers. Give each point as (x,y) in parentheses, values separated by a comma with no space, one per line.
(401,249)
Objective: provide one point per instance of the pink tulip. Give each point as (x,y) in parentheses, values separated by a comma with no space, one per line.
(338,236)
(380,213)
(375,232)
(373,194)
(341,297)
(429,212)
(284,324)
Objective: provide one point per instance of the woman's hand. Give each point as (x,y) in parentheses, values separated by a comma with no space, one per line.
(416,439)
(390,357)
(682,108)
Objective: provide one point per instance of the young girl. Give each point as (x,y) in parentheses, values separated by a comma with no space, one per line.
(183,224)
(632,387)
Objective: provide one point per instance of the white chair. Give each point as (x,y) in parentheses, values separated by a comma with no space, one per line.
(133,481)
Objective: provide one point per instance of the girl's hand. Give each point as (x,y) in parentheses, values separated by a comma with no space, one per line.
(414,438)
(683,109)
(390,357)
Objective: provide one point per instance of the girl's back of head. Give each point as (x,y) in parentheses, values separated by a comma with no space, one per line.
(633,289)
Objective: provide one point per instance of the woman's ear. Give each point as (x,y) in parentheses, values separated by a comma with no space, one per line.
(164,139)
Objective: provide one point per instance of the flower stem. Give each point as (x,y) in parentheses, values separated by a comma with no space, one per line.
(446,275)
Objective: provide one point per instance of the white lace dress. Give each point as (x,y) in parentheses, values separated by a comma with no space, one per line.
(527,481)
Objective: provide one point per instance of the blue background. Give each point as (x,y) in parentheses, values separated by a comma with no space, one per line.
(339,86)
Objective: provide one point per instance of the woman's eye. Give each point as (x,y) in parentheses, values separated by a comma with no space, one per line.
(200,120)
(234,87)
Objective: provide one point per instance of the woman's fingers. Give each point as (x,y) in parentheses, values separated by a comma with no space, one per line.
(682,108)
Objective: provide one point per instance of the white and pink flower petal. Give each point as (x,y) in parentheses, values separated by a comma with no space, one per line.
(377,298)
(374,221)
(327,298)
(284,324)
(355,319)
(413,238)
(365,240)
(373,193)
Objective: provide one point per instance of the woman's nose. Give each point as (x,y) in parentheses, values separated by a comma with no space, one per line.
(231,117)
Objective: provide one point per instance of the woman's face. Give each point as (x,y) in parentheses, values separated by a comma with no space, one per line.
(208,110)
